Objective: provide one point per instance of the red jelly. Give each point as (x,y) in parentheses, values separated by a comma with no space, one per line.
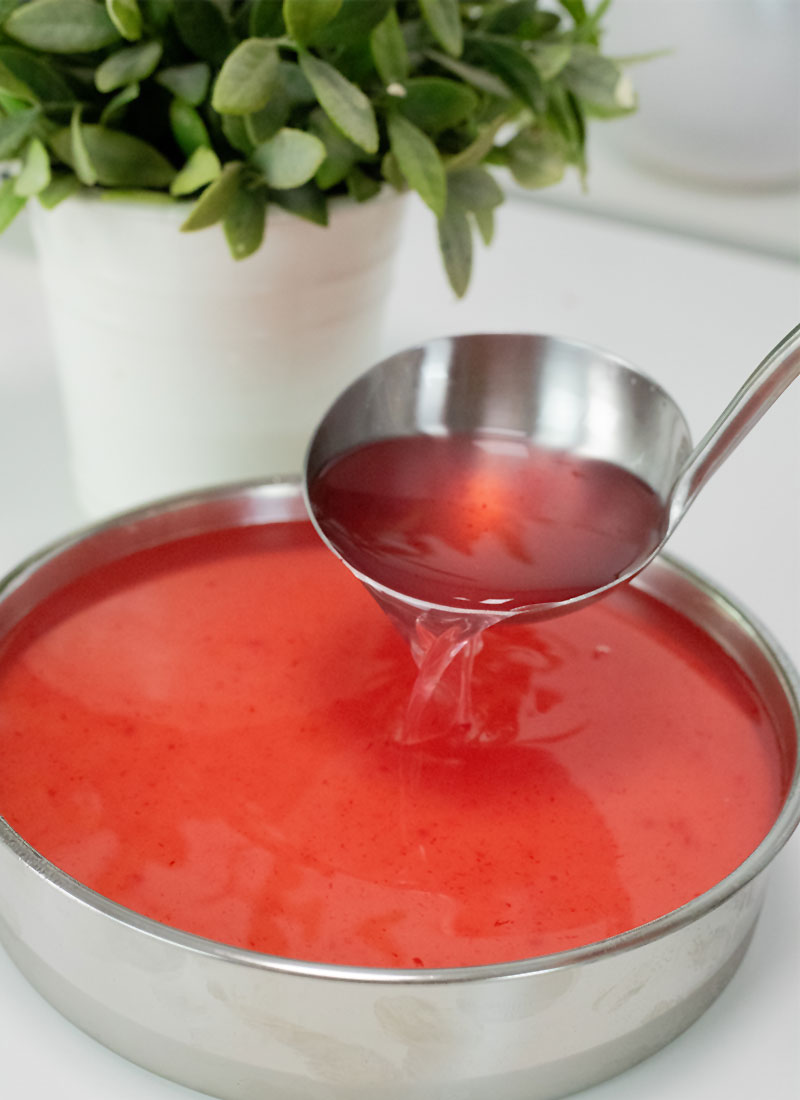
(205,733)
(484,521)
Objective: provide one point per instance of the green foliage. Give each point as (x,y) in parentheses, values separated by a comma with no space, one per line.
(202,168)
(444,19)
(10,203)
(188,128)
(419,161)
(247,78)
(62,26)
(245,221)
(389,50)
(15,129)
(235,106)
(129,65)
(34,176)
(304,19)
(126,17)
(289,159)
(346,105)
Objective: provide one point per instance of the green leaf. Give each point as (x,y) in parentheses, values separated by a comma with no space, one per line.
(306,202)
(289,159)
(543,23)
(202,168)
(419,161)
(247,79)
(204,29)
(244,222)
(513,66)
(479,148)
(215,201)
(510,18)
(266,19)
(474,189)
(600,82)
(79,156)
(10,203)
(576,8)
(12,86)
(472,74)
(392,174)
(156,13)
(61,186)
(484,219)
(15,131)
(360,186)
(296,85)
(187,82)
(118,103)
(35,173)
(590,30)
(188,127)
(304,18)
(62,26)
(340,153)
(343,102)
(550,58)
(435,103)
(11,105)
(536,158)
(30,77)
(444,19)
(126,17)
(235,129)
(127,66)
(566,116)
(118,159)
(455,245)
(6,8)
(356,18)
(264,124)
(389,50)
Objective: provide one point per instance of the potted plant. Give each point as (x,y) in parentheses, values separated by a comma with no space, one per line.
(291,114)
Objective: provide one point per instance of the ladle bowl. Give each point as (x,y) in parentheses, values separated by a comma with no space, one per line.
(560,395)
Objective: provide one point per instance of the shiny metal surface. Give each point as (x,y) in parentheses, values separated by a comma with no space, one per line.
(242,1026)
(561,395)
(761,390)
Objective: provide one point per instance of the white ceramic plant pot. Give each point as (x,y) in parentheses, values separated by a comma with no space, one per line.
(181,367)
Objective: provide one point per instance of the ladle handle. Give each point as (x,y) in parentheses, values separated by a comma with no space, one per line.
(761,390)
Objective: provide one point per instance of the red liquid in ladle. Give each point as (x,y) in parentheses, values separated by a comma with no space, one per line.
(484,521)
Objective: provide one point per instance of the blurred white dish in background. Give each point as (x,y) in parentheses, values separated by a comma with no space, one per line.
(723,107)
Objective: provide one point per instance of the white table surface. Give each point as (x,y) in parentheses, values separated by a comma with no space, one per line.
(695,315)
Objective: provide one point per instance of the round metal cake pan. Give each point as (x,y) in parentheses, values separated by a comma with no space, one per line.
(243,1026)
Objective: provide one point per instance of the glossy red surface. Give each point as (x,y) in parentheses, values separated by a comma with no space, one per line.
(206,733)
(484,521)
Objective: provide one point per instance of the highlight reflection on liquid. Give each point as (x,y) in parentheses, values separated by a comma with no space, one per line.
(206,734)
(487,522)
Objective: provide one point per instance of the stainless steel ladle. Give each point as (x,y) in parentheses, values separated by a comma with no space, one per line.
(558,393)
